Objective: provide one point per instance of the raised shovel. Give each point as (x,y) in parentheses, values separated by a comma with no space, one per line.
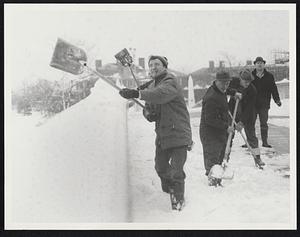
(223,171)
(69,58)
(126,60)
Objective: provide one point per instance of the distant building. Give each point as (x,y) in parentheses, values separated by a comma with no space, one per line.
(142,62)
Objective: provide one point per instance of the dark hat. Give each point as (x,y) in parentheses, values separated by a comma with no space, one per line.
(246,75)
(223,76)
(259,59)
(163,59)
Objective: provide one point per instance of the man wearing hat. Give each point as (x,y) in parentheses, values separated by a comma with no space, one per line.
(165,106)
(265,86)
(214,124)
(246,113)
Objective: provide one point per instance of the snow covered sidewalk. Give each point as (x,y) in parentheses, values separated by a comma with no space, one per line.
(254,198)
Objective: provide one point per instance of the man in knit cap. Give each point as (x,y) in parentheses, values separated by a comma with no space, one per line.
(246,113)
(166,107)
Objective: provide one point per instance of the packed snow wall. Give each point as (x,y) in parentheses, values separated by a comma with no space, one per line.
(73,168)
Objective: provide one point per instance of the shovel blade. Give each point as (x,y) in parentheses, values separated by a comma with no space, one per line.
(67,57)
(124,57)
(219,172)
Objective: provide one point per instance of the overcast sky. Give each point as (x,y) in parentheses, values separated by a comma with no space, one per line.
(188,38)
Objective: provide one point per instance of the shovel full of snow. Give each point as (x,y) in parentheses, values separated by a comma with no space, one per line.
(126,60)
(223,171)
(71,59)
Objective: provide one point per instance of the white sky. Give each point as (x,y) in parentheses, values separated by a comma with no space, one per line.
(189,38)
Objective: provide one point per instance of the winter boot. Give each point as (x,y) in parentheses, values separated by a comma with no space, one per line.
(176,203)
(214,181)
(264,138)
(258,161)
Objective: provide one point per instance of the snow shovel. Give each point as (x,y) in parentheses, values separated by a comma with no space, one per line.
(126,60)
(71,59)
(246,142)
(223,171)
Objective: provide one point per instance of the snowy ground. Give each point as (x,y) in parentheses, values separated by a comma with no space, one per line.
(81,166)
(253,197)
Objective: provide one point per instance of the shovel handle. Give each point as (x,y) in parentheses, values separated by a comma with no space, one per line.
(112,84)
(136,81)
(231,133)
(245,140)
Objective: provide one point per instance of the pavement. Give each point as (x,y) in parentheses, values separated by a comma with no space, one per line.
(278,136)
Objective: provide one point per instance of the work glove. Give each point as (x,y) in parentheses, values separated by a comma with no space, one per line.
(150,116)
(230,129)
(238,95)
(129,93)
(239,126)
(278,103)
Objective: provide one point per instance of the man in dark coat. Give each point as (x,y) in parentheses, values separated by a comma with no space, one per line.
(214,124)
(246,113)
(265,86)
(166,106)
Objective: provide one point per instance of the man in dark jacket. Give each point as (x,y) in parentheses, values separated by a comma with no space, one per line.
(214,124)
(246,113)
(166,106)
(265,86)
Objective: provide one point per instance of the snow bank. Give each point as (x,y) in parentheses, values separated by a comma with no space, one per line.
(71,169)
(283,110)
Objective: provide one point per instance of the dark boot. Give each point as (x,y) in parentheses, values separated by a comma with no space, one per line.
(214,181)
(264,138)
(258,161)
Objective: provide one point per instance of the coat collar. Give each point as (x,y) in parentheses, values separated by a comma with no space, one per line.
(216,88)
(160,77)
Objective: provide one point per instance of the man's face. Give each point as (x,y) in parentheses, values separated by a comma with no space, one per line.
(244,83)
(222,85)
(259,65)
(156,68)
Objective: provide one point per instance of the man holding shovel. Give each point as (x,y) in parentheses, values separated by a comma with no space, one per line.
(166,107)
(214,124)
(246,113)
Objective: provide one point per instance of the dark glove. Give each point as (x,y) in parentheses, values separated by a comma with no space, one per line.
(150,116)
(278,103)
(129,93)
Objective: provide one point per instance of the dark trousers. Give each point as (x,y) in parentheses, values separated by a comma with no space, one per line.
(263,114)
(169,167)
(213,148)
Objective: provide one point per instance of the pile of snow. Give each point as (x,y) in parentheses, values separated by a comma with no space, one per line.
(283,110)
(73,168)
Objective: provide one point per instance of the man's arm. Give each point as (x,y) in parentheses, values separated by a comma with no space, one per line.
(274,90)
(161,94)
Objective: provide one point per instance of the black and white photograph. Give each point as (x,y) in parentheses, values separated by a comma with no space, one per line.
(150,116)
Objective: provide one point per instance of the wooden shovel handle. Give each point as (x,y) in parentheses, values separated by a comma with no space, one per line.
(231,133)
(112,84)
